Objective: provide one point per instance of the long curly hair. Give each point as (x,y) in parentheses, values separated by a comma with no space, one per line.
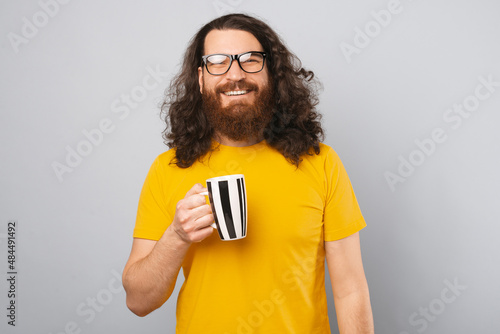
(295,128)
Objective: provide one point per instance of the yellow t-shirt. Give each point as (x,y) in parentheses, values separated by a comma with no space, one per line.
(272,281)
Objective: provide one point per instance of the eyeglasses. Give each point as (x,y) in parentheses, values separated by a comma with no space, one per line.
(219,63)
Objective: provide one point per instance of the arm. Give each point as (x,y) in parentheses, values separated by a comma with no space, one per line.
(151,271)
(350,289)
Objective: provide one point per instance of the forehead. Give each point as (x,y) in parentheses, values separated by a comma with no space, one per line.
(230,42)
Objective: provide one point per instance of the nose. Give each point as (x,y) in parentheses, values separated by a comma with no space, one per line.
(235,72)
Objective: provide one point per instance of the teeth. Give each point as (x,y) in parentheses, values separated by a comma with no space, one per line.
(236,92)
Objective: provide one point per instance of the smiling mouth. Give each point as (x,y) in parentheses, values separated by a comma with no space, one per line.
(236,92)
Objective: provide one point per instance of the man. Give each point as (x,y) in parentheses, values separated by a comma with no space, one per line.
(242,103)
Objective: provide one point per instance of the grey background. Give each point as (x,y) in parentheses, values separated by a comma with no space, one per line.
(74,234)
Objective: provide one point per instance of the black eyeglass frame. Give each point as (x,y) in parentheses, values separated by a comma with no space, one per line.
(234,57)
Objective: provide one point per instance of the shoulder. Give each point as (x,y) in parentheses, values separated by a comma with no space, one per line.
(322,166)
(326,150)
(326,156)
(166,157)
(163,162)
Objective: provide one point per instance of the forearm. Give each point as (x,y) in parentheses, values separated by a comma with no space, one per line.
(354,313)
(150,281)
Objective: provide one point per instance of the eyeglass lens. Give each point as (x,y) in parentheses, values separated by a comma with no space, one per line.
(250,62)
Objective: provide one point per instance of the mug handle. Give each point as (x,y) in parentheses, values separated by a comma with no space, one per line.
(205,193)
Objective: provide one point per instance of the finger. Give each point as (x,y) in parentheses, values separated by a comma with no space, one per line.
(196,189)
(200,217)
(202,234)
(204,221)
(193,202)
(192,226)
(188,217)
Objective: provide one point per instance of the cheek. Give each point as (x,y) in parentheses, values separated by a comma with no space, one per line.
(209,85)
(266,79)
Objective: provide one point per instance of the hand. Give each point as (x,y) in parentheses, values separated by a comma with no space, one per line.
(193,216)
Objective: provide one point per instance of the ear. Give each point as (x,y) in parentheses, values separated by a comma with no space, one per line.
(200,79)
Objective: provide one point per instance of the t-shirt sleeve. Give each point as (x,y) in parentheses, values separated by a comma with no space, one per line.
(342,215)
(153,217)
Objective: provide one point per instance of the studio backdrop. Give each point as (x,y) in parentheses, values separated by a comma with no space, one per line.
(410,101)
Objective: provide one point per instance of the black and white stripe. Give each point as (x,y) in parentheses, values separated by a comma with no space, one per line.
(227,197)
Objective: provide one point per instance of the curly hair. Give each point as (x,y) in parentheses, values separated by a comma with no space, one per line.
(295,128)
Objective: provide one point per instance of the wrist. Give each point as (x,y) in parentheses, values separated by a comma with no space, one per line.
(175,239)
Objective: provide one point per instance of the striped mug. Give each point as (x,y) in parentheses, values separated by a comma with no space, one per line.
(228,200)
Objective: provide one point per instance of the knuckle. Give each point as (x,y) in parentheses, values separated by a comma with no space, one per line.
(183,219)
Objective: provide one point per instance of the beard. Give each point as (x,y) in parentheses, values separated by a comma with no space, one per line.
(239,120)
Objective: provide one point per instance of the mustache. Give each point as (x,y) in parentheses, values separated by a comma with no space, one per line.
(240,85)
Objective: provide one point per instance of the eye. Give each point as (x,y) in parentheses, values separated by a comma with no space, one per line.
(250,57)
(245,57)
(217,59)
